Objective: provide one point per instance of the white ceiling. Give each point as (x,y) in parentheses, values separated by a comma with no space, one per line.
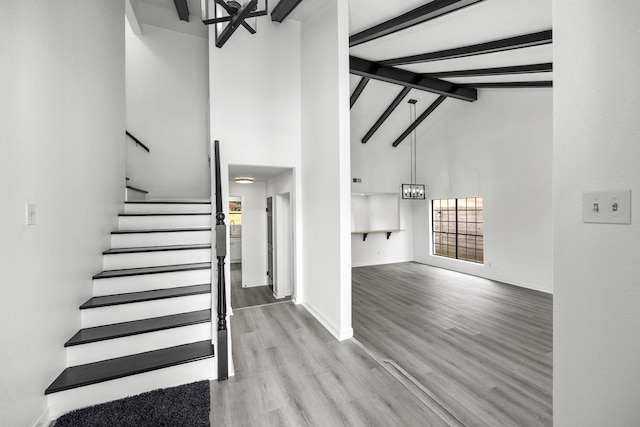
(482,22)
(163,14)
(485,21)
(258,173)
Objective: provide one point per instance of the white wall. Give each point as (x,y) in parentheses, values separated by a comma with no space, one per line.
(382,169)
(377,249)
(281,187)
(254,231)
(255,104)
(596,276)
(498,148)
(325,183)
(62,148)
(167,94)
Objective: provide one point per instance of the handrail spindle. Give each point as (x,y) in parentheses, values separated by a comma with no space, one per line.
(221,253)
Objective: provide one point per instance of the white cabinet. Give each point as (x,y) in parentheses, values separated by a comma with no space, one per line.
(235,250)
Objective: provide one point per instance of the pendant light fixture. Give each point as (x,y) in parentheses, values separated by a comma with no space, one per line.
(413,191)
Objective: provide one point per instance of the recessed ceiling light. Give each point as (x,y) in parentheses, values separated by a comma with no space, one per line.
(243,180)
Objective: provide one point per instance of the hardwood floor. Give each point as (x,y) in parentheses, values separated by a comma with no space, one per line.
(291,372)
(249,297)
(483,349)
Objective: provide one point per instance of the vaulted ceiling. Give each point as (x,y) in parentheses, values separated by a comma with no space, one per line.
(443,51)
(435,52)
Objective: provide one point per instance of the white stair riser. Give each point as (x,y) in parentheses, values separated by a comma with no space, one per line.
(119,347)
(149,282)
(81,397)
(145,208)
(135,240)
(156,258)
(143,310)
(165,221)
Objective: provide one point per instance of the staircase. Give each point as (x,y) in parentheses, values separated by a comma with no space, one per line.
(148,324)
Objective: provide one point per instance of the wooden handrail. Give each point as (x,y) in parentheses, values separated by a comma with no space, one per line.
(221,253)
(137,141)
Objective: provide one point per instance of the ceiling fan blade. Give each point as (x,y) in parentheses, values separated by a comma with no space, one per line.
(232,12)
(236,21)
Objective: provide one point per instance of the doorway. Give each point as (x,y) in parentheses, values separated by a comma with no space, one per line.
(270,242)
(266,204)
(284,247)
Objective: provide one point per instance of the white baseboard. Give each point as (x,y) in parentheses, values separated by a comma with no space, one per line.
(379,262)
(339,334)
(491,277)
(254,284)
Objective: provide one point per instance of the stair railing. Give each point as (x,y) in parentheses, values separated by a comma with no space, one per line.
(136,140)
(221,253)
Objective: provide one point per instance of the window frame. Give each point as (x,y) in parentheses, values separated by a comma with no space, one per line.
(446,241)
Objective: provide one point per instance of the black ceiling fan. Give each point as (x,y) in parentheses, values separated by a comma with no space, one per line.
(228,16)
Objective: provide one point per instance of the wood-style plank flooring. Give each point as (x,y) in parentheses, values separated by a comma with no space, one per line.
(482,348)
(291,372)
(249,297)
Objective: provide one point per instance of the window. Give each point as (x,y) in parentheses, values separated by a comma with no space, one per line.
(458,228)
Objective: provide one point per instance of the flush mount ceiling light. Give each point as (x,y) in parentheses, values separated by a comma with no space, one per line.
(413,191)
(243,180)
(229,15)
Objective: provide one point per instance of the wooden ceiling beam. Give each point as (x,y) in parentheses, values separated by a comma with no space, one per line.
(365,68)
(518,42)
(498,71)
(419,120)
(283,9)
(424,13)
(183,9)
(390,109)
(509,85)
(358,90)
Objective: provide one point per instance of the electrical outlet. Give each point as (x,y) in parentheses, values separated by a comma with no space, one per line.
(31,214)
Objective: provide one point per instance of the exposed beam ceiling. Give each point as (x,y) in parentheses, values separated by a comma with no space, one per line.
(518,42)
(358,90)
(364,68)
(183,9)
(498,71)
(419,120)
(424,13)
(236,21)
(509,85)
(283,9)
(394,104)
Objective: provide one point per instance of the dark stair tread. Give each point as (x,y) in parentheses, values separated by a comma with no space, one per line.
(166,214)
(152,270)
(143,296)
(119,330)
(161,230)
(111,369)
(156,249)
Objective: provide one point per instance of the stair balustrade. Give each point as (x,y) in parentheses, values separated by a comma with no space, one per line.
(221,253)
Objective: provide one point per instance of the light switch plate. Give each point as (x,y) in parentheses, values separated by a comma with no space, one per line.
(30,214)
(607,207)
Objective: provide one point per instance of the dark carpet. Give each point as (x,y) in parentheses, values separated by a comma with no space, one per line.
(185,405)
